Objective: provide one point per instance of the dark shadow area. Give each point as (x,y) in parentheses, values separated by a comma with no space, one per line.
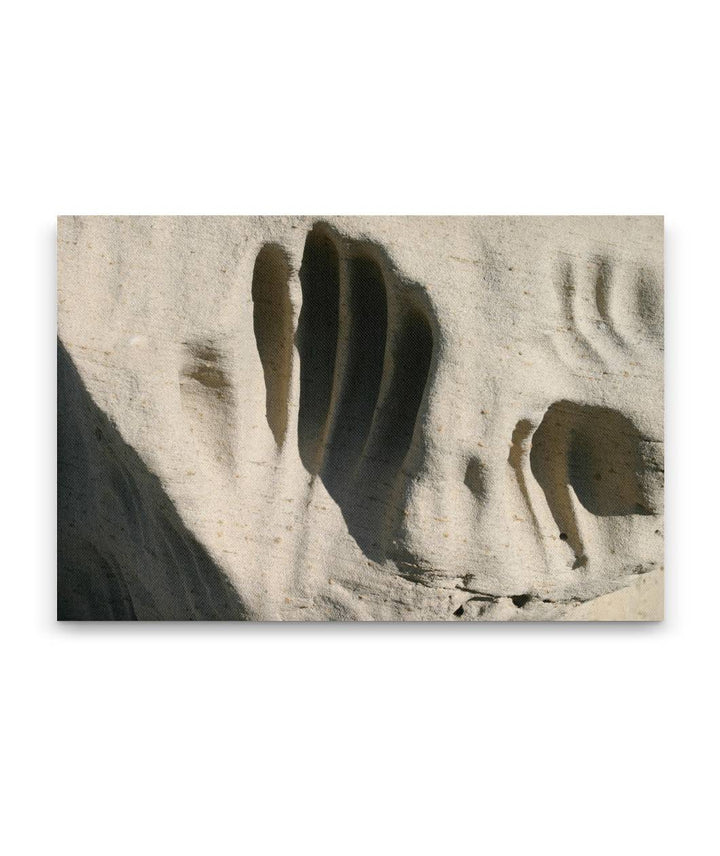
(412,348)
(365,329)
(356,425)
(384,472)
(123,551)
(475,477)
(317,342)
(273,323)
(598,453)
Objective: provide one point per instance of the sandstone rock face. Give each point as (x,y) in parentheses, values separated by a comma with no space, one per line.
(358,418)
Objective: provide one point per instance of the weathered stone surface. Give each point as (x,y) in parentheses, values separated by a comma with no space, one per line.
(361,418)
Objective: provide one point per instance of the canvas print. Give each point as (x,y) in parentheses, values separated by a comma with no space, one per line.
(341,418)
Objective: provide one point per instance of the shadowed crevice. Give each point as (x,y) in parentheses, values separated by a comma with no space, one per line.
(366,347)
(412,351)
(317,338)
(273,324)
(123,551)
(604,276)
(364,325)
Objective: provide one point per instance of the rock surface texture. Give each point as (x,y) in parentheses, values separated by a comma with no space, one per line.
(360,418)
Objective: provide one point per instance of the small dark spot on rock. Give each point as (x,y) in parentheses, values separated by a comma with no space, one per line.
(459,611)
(563,536)
(521,599)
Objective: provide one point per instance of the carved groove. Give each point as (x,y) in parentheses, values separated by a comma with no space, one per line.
(205,367)
(649,300)
(365,327)
(566,284)
(273,322)
(208,398)
(517,455)
(603,297)
(412,349)
(317,342)
(363,374)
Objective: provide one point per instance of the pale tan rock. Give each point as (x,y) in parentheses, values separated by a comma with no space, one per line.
(642,600)
(361,418)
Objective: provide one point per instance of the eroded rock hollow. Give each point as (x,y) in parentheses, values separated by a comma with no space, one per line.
(358,418)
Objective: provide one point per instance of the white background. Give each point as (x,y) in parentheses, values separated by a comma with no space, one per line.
(359,739)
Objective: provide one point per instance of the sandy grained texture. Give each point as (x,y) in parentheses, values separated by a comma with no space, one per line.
(361,418)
